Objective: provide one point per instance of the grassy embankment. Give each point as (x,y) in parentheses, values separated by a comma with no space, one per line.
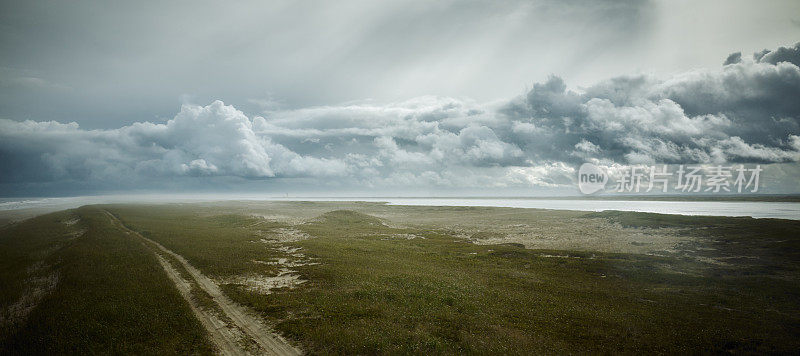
(735,289)
(109,295)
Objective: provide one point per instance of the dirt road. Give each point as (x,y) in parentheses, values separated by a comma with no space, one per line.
(224,337)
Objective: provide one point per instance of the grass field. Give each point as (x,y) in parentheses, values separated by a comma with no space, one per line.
(109,296)
(365,278)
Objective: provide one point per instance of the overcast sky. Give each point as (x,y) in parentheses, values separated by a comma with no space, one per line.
(389,96)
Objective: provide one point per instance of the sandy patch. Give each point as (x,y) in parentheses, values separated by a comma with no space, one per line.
(560,256)
(285,262)
(291,220)
(286,278)
(281,235)
(401,236)
(76,234)
(290,250)
(36,288)
(579,234)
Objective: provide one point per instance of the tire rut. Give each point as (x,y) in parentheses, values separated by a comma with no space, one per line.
(269,342)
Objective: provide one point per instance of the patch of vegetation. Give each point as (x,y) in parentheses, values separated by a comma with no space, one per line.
(26,251)
(752,246)
(220,244)
(349,219)
(441,296)
(438,293)
(112,296)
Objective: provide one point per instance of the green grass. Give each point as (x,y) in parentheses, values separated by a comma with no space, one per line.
(24,245)
(772,246)
(112,296)
(377,295)
(373,293)
(219,245)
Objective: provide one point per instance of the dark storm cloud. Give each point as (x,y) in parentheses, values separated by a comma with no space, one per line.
(782,54)
(733,58)
(741,112)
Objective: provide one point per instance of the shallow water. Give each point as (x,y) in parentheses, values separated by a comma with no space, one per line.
(781,210)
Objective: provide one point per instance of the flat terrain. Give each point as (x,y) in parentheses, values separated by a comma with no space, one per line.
(73,283)
(366,278)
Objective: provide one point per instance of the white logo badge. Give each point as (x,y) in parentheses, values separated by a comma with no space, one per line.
(591,178)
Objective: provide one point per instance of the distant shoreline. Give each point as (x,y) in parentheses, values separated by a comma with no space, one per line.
(789,198)
(748,198)
(761,206)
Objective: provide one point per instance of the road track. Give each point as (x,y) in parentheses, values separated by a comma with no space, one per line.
(225,338)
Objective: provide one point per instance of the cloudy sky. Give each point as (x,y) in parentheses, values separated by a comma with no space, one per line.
(390,97)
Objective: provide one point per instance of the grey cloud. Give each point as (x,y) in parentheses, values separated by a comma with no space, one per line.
(781,54)
(214,140)
(742,112)
(696,116)
(733,58)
